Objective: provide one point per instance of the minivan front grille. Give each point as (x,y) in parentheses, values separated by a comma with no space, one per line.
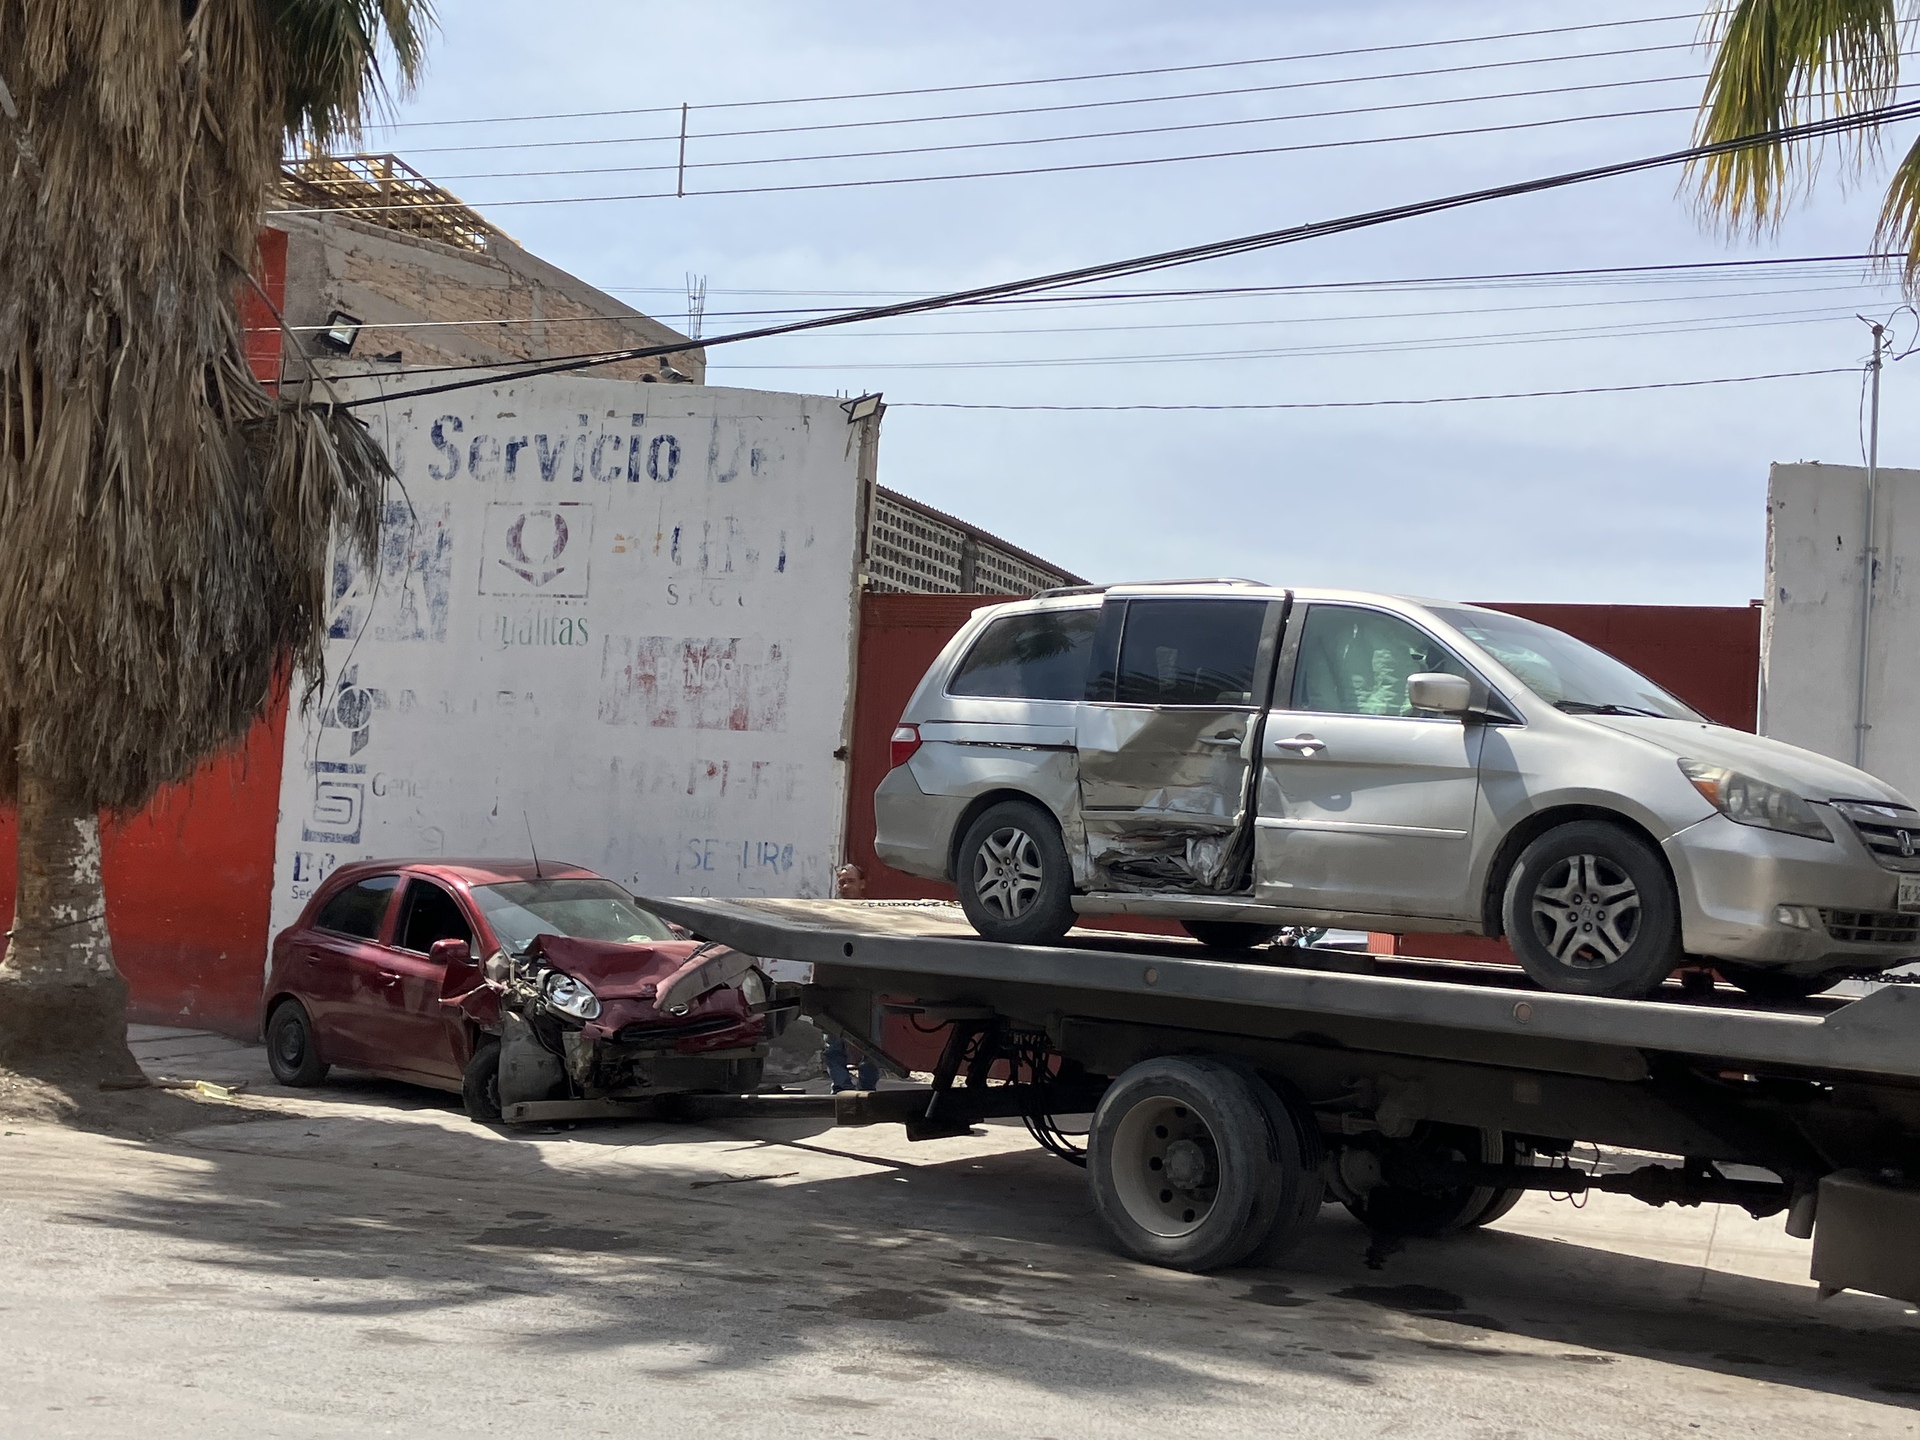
(1871,927)
(1890,832)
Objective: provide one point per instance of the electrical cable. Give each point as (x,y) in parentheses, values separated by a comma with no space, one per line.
(418,207)
(1192,254)
(1628,330)
(1061,79)
(970,145)
(1231,93)
(1270,320)
(1373,404)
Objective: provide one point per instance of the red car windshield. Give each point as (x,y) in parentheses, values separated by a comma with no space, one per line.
(583,909)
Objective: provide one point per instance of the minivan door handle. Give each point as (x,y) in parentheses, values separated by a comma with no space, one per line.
(1300,744)
(1220,739)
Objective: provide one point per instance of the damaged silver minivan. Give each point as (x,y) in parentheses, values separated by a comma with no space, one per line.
(1242,757)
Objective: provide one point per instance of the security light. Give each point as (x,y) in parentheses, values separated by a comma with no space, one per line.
(342,329)
(861,407)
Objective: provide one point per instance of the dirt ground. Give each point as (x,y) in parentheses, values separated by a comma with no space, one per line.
(361,1260)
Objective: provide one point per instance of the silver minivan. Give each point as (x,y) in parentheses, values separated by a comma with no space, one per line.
(1244,758)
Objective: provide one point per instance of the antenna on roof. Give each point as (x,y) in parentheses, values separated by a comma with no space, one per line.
(530,845)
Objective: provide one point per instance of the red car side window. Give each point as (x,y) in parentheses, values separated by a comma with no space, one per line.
(358,909)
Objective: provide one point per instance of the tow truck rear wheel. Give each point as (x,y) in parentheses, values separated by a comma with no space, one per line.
(1192,1166)
(1392,1209)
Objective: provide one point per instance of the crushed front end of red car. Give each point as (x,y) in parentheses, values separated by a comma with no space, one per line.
(603,1022)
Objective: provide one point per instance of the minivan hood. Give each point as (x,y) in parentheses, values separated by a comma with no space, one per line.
(1807,774)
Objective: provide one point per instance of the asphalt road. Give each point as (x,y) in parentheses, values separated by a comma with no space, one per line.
(363,1261)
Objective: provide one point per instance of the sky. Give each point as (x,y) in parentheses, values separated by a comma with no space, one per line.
(1652,496)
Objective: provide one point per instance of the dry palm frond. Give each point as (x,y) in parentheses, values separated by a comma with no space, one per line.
(1778,63)
(1898,232)
(167,520)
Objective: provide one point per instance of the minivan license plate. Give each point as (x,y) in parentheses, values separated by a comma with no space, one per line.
(1910,892)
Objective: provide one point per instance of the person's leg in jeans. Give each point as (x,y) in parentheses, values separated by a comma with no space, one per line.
(841,1075)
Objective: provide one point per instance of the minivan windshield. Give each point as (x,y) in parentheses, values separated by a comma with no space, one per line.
(1567,673)
(518,910)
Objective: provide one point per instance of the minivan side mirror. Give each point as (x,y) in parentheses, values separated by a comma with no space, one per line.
(1447,694)
(451,952)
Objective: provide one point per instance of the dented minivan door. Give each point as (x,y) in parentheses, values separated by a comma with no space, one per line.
(1173,701)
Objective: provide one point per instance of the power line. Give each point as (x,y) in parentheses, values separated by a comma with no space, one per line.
(1629,330)
(1598,274)
(1212,250)
(1236,92)
(1184,127)
(1346,318)
(1082,166)
(1373,404)
(1059,79)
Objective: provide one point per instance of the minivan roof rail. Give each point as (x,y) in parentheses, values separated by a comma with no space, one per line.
(1135,584)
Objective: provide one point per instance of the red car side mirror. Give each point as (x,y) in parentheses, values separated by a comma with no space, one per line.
(451,953)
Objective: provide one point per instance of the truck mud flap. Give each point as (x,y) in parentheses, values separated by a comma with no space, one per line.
(1864,1237)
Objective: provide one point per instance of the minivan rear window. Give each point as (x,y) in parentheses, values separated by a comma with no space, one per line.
(1041,655)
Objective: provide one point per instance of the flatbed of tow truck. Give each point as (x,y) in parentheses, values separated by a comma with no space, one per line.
(1232,1093)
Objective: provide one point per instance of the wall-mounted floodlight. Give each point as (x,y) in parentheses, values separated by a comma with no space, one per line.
(342,329)
(862,407)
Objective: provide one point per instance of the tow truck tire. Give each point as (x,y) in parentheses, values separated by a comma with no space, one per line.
(1189,1169)
(1763,983)
(291,1054)
(1230,934)
(1590,910)
(1293,1124)
(1014,879)
(1401,1210)
(480,1085)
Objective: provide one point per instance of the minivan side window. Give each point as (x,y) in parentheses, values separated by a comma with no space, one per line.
(1190,652)
(1041,655)
(1356,662)
(358,909)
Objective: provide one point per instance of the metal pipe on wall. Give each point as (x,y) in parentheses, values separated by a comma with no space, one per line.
(1869,557)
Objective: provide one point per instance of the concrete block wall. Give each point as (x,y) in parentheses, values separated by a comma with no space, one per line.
(1810,643)
(440,304)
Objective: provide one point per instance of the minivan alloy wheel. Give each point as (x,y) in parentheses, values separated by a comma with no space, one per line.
(1586,910)
(1007,872)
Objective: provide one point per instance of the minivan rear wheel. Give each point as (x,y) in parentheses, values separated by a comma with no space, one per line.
(1590,910)
(1013,876)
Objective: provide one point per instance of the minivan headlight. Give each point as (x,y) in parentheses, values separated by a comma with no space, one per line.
(1754,802)
(571,997)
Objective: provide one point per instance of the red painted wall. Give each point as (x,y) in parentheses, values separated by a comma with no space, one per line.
(189,878)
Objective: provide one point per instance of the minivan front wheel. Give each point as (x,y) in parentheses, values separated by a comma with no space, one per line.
(1013,876)
(1590,910)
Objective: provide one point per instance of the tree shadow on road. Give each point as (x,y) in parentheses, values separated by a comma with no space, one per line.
(423,1221)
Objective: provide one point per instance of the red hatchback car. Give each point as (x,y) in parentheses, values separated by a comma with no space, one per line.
(420,969)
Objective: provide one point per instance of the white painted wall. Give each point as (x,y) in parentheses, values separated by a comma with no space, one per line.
(621,613)
(1810,642)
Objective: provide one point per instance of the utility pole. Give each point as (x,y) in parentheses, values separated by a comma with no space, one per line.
(1870,554)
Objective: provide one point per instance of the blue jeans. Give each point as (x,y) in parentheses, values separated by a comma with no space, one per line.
(863,1075)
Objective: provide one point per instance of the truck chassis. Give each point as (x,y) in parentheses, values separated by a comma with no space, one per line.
(1232,1095)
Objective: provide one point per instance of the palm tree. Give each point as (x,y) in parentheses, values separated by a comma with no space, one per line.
(1780,62)
(167,521)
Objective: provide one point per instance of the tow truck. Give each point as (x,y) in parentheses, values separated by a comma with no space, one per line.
(1232,1095)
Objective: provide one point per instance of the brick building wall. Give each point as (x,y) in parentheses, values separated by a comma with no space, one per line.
(434,303)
